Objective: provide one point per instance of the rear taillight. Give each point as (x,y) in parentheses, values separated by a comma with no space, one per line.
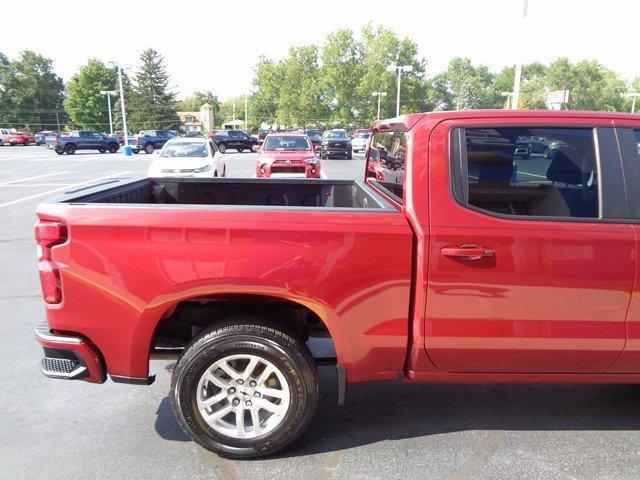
(49,234)
(137,140)
(50,281)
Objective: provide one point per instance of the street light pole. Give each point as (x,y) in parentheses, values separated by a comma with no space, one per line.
(108,93)
(379,95)
(400,69)
(518,73)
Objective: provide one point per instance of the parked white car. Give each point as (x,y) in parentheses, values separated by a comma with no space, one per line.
(359,141)
(188,157)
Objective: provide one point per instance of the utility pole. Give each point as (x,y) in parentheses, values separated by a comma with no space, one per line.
(124,114)
(58,121)
(508,95)
(108,93)
(400,69)
(518,74)
(234,112)
(633,104)
(379,95)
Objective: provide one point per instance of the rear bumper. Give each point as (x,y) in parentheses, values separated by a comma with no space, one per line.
(288,171)
(69,357)
(337,150)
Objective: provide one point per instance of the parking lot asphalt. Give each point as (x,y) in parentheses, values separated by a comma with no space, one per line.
(52,429)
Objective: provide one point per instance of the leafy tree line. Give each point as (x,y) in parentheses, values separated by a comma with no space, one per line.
(327,84)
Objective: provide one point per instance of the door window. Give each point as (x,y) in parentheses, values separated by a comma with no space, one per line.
(530,171)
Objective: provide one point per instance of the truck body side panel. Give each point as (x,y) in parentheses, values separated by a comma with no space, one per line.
(124,267)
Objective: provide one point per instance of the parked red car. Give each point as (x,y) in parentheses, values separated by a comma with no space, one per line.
(21,138)
(287,154)
(473,263)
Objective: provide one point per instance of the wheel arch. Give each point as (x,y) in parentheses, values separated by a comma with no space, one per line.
(163,310)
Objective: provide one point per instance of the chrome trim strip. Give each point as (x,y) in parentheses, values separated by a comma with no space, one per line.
(43,332)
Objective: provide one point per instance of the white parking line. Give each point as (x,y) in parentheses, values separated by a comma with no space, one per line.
(32,178)
(48,192)
(532,174)
(20,185)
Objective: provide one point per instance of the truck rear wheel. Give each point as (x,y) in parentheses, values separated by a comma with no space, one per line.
(70,149)
(113,147)
(148,148)
(244,388)
(222,148)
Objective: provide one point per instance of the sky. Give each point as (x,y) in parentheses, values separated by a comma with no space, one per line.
(213,45)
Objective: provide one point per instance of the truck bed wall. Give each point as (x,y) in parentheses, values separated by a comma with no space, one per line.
(246,192)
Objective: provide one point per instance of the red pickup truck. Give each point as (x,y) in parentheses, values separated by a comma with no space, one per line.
(504,250)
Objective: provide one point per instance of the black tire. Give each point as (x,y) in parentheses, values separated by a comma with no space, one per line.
(70,149)
(135,152)
(255,336)
(148,148)
(59,152)
(25,143)
(222,148)
(102,150)
(240,150)
(113,147)
(349,156)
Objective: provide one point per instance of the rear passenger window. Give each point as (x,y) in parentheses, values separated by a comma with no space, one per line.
(546,172)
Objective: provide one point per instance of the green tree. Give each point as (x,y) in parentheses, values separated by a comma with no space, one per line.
(342,69)
(32,93)
(86,106)
(267,82)
(464,86)
(381,50)
(193,102)
(226,113)
(591,86)
(152,104)
(300,101)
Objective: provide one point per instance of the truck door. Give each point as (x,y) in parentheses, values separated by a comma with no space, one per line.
(85,140)
(629,142)
(531,266)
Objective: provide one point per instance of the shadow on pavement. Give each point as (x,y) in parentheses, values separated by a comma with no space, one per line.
(380,411)
(166,423)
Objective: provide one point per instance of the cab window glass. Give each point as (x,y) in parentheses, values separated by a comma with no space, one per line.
(531,171)
(386,160)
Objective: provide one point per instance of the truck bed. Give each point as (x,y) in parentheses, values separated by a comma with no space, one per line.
(334,194)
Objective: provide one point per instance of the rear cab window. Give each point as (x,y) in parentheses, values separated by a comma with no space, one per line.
(527,171)
(386,162)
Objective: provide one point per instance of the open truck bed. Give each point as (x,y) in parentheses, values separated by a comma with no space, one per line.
(291,193)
